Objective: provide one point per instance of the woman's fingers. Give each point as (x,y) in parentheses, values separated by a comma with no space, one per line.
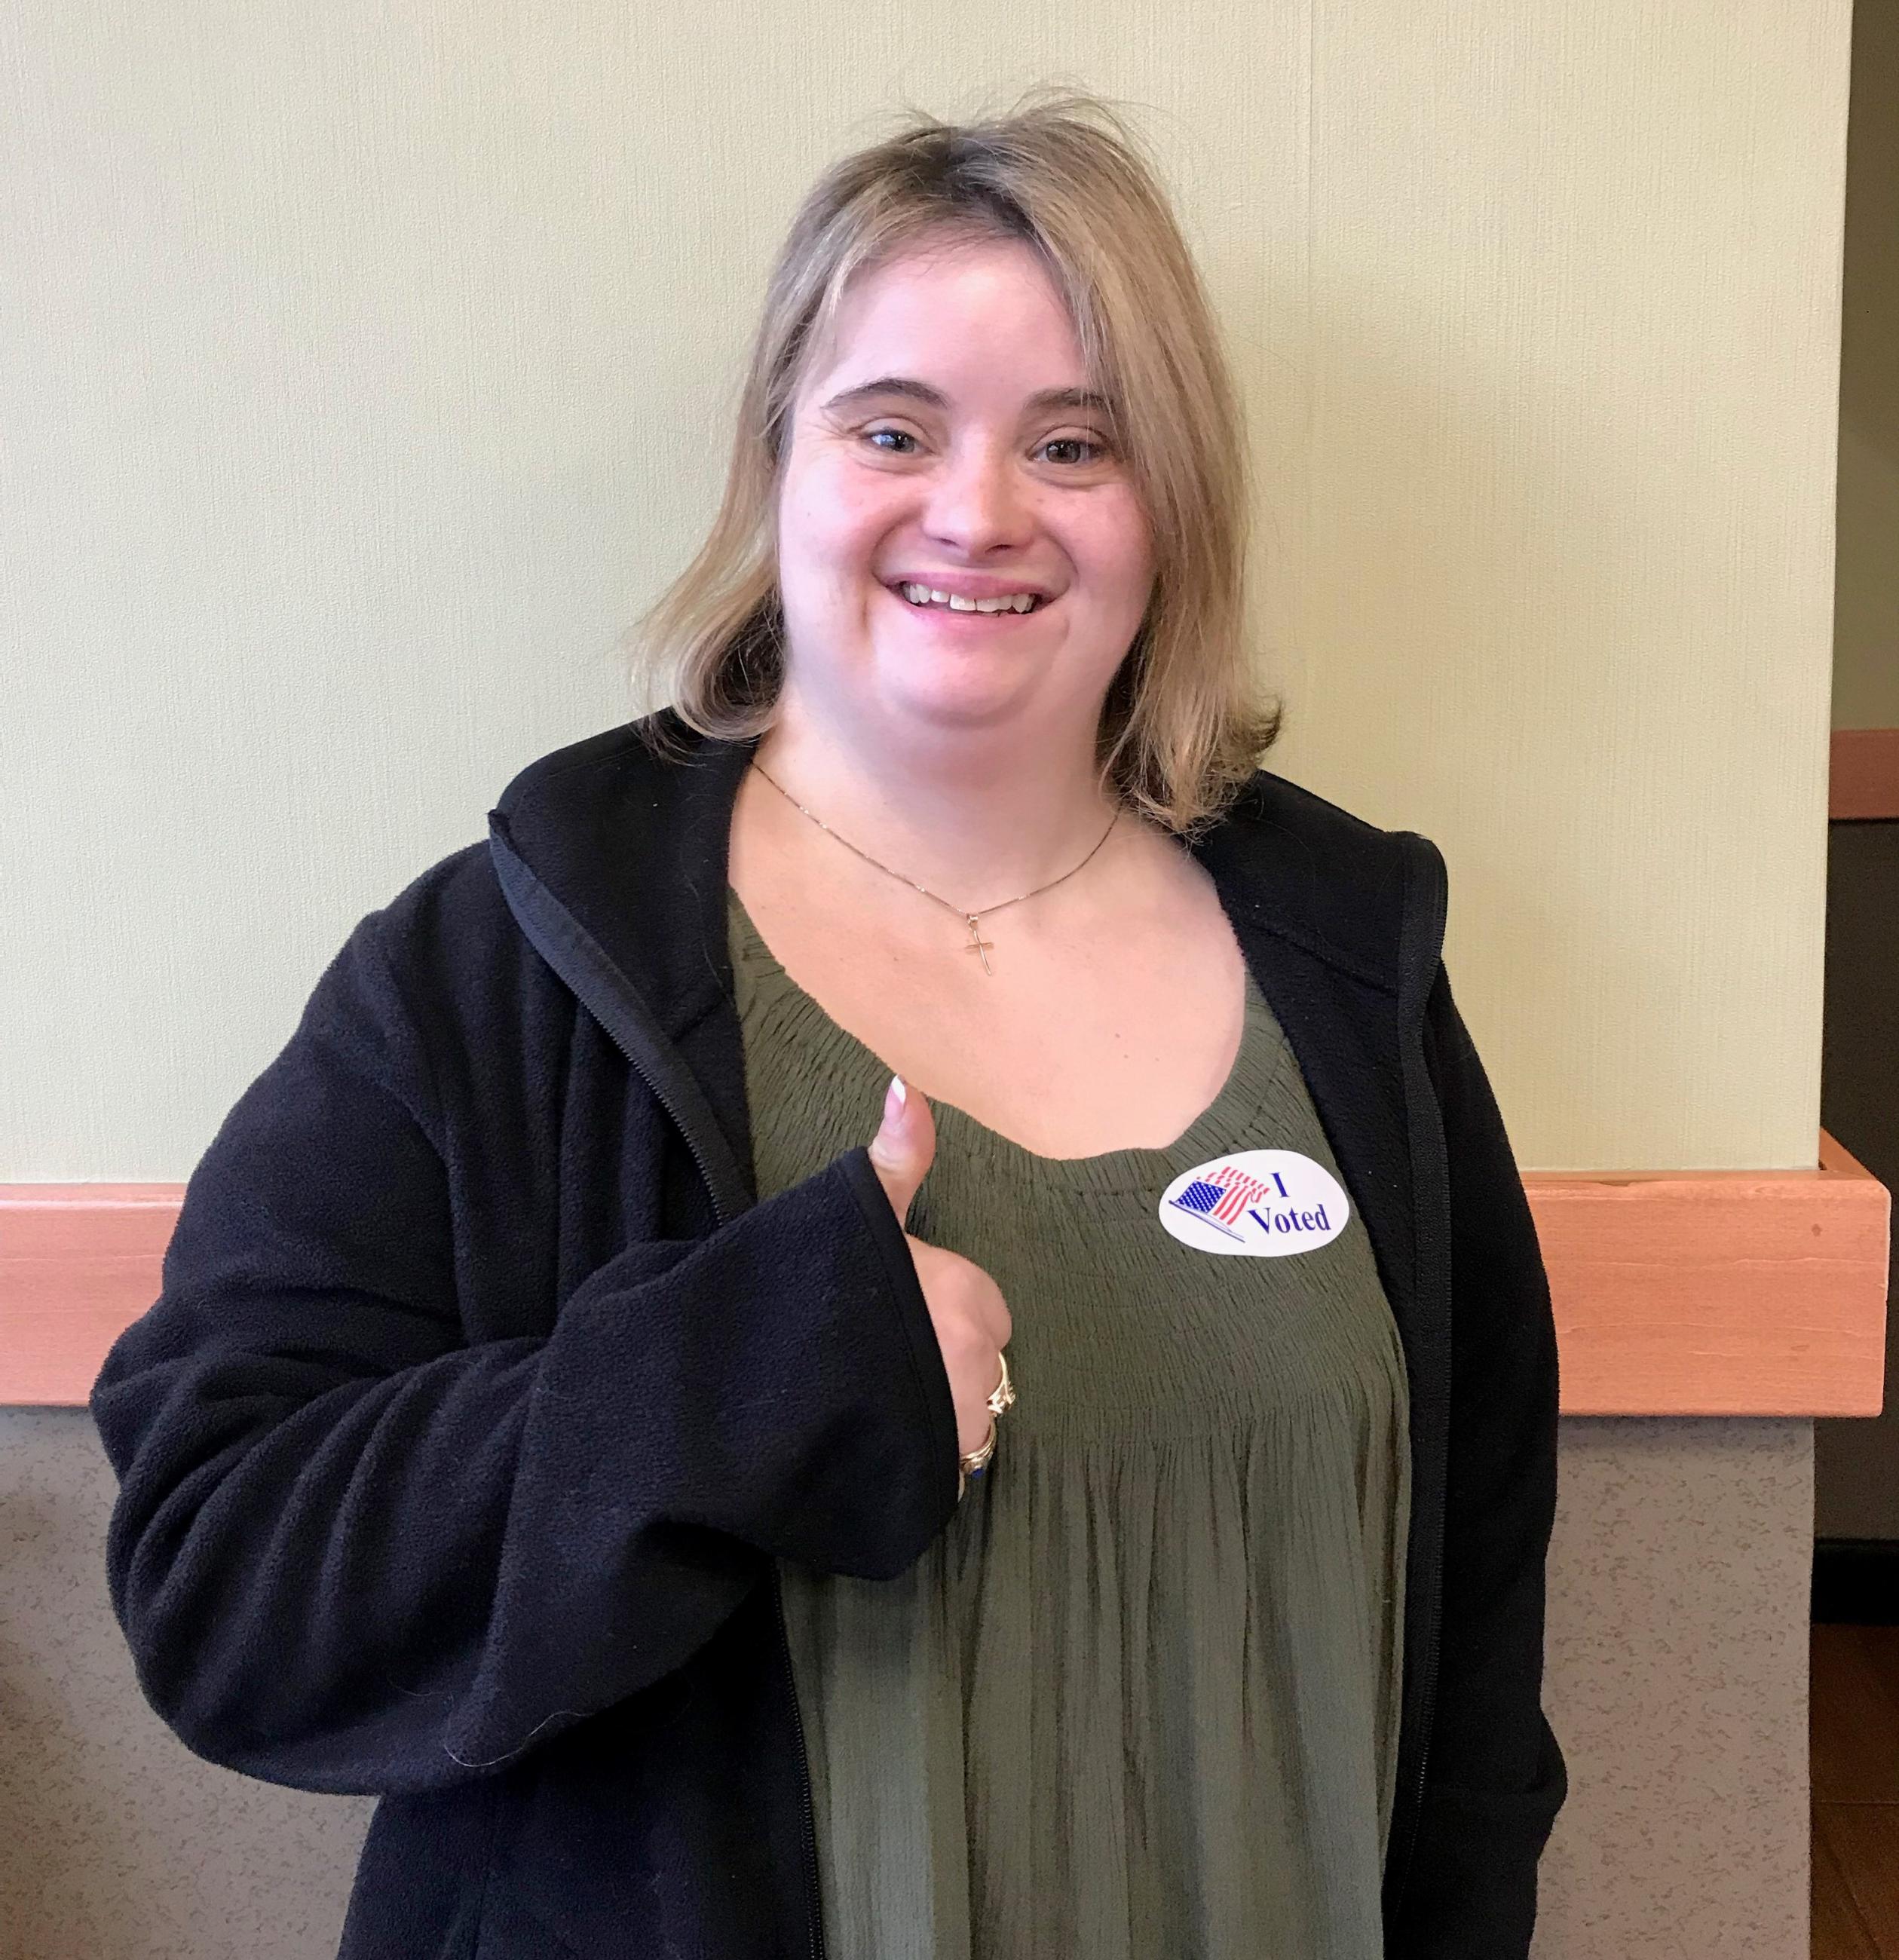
(966,1306)
(905,1145)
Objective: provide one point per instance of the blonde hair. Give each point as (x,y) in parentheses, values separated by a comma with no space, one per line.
(1182,726)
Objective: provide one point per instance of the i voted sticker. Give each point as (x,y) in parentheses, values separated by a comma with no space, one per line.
(1261,1204)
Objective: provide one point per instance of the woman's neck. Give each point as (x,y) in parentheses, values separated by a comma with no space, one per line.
(976,816)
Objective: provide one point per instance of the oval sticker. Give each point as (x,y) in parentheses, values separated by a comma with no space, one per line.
(1261,1204)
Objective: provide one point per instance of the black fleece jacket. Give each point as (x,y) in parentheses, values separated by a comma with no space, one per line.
(482,1394)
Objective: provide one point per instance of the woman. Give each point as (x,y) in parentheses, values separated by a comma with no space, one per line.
(548,1422)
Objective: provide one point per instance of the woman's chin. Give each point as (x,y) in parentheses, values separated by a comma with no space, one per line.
(960,696)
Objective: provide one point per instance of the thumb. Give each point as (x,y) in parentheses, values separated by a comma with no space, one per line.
(905,1145)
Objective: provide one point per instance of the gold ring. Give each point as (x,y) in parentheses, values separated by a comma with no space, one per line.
(1004,1393)
(1000,1397)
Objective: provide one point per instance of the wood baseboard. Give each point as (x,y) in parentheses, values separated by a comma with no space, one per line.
(1676,1293)
(79,1263)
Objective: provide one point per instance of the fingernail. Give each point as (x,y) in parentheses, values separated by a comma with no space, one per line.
(898,1089)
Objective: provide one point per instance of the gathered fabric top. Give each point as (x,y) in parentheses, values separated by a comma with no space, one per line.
(1140,1700)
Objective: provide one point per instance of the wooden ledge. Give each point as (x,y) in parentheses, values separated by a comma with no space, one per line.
(1676,1293)
(1865,778)
(1718,1292)
(79,1264)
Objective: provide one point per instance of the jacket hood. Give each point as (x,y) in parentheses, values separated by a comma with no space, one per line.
(625,837)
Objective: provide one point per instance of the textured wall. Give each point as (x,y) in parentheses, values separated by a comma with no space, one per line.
(1677,1671)
(1677,1648)
(115,1842)
(363,369)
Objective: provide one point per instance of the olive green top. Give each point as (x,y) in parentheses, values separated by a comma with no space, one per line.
(1139,1700)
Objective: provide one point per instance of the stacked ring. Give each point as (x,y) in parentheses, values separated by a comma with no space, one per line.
(973,1464)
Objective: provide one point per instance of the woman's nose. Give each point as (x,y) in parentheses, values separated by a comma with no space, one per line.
(978,502)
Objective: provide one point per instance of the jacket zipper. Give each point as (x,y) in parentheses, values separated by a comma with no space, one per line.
(559,938)
(574,954)
(1419,938)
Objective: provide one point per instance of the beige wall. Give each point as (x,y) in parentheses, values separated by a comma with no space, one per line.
(1866,645)
(364,369)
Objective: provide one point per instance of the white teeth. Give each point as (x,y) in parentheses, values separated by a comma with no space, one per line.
(923,595)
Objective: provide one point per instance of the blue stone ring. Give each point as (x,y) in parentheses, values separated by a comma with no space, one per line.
(1000,1397)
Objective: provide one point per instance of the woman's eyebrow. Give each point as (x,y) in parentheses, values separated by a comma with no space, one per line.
(1083,399)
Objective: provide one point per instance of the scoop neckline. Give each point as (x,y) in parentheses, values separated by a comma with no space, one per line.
(1221,1127)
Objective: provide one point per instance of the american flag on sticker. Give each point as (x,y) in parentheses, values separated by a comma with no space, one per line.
(1221,1196)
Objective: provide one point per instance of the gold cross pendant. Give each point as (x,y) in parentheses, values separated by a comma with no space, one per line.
(978,945)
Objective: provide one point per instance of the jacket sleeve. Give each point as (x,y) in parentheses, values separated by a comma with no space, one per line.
(352,1551)
(1494,1774)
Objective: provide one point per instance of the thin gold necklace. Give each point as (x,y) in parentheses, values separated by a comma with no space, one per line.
(980,946)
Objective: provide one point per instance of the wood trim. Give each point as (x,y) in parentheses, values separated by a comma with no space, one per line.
(79,1264)
(1676,1293)
(1864,781)
(1719,1293)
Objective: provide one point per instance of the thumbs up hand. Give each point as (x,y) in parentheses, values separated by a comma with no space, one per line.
(966,1306)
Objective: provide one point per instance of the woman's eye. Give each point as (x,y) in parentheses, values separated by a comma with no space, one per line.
(1096,450)
(1079,451)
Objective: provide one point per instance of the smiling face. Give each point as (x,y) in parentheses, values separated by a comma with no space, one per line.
(945,441)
